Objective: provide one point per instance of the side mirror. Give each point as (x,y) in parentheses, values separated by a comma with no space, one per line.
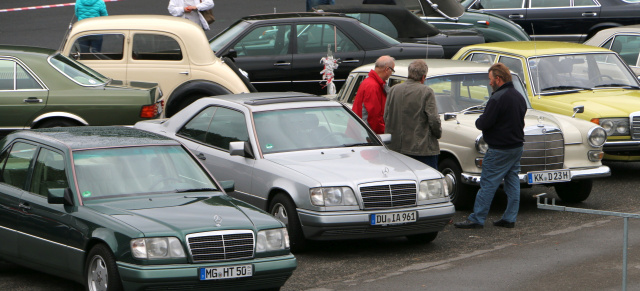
(59,196)
(228,185)
(577,109)
(385,137)
(232,53)
(449,116)
(240,148)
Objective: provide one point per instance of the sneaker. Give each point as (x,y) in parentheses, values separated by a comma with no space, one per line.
(468,224)
(504,223)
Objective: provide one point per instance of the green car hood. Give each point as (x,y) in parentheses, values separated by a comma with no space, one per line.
(186,213)
(598,103)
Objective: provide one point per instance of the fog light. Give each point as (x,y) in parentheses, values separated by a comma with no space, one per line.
(479,162)
(595,156)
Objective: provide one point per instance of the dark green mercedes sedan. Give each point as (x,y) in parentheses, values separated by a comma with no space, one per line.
(41,88)
(116,208)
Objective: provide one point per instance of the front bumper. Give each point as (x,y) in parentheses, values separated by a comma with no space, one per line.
(337,225)
(622,150)
(576,174)
(271,272)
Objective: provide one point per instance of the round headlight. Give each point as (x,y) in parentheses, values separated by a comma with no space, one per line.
(622,128)
(607,125)
(481,145)
(597,137)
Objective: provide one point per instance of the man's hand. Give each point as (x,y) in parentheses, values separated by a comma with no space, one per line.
(190,8)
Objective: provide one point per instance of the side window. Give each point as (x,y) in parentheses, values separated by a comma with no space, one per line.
(155,47)
(583,3)
(481,58)
(265,41)
(353,93)
(499,4)
(514,64)
(98,47)
(14,77)
(317,38)
(550,3)
(48,173)
(628,47)
(197,128)
(226,126)
(15,165)
(395,81)
(377,21)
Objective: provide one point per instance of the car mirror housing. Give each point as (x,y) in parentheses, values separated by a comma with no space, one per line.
(240,148)
(577,109)
(385,138)
(228,185)
(59,196)
(232,54)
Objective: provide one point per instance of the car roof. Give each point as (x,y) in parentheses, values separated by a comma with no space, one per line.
(535,48)
(20,49)
(87,137)
(436,67)
(293,15)
(265,101)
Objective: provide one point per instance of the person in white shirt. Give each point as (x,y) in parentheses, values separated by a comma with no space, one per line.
(189,9)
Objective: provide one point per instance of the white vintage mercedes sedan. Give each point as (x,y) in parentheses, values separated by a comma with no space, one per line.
(559,151)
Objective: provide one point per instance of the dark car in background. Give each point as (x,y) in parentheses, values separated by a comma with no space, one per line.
(282,51)
(564,20)
(41,88)
(450,14)
(399,23)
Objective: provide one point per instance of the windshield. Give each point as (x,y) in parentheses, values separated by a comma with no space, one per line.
(380,34)
(455,93)
(225,37)
(551,74)
(76,71)
(130,171)
(310,128)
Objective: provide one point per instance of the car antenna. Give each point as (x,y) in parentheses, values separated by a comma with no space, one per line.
(535,51)
(66,34)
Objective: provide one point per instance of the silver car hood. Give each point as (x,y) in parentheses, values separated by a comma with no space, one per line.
(332,167)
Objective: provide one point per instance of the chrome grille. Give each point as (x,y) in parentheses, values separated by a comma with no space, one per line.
(221,245)
(635,125)
(388,195)
(543,149)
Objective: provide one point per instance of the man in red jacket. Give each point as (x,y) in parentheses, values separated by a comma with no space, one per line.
(372,95)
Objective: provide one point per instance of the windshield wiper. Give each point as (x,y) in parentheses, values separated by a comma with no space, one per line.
(618,85)
(362,144)
(565,88)
(474,108)
(197,190)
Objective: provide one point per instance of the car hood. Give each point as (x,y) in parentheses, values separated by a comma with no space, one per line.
(356,164)
(186,213)
(600,102)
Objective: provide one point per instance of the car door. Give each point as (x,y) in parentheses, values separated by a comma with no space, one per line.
(559,20)
(21,95)
(14,166)
(312,43)
(211,131)
(46,230)
(514,10)
(264,52)
(103,51)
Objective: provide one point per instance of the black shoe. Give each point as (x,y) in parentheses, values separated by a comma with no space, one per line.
(504,223)
(468,224)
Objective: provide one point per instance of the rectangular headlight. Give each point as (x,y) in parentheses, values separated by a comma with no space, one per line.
(272,240)
(432,189)
(157,248)
(332,196)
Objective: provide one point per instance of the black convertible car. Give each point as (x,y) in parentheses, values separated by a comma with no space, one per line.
(400,23)
(567,20)
(282,52)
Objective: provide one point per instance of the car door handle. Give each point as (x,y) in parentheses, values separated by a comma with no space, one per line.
(32,100)
(201,156)
(282,64)
(516,16)
(350,61)
(590,14)
(184,73)
(24,206)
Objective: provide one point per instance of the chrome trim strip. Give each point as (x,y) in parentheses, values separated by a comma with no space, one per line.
(46,240)
(580,173)
(59,114)
(249,194)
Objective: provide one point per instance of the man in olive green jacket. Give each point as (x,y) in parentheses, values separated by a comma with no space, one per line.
(411,117)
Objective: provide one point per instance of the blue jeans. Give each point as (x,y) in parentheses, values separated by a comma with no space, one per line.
(431,161)
(498,165)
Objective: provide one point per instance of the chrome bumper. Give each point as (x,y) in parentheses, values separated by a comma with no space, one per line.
(576,174)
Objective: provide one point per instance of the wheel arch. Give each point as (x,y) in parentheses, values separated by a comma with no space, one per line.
(199,87)
(272,193)
(58,115)
(598,27)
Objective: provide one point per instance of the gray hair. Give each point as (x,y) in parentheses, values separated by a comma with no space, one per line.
(385,61)
(417,69)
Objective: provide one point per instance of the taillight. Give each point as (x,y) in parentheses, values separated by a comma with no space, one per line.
(152,110)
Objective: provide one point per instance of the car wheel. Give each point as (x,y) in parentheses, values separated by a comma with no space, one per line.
(460,194)
(283,208)
(574,191)
(101,271)
(423,237)
(57,123)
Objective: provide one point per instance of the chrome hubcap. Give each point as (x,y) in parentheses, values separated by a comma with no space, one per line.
(280,213)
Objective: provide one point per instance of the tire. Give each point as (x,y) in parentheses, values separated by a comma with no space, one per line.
(188,100)
(424,238)
(57,123)
(101,271)
(283,209)
(460,194)
(574,191)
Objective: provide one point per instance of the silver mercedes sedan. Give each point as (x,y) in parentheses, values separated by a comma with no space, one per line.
(312,163)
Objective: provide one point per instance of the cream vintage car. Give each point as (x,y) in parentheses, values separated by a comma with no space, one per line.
(171,51)
(559,151)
